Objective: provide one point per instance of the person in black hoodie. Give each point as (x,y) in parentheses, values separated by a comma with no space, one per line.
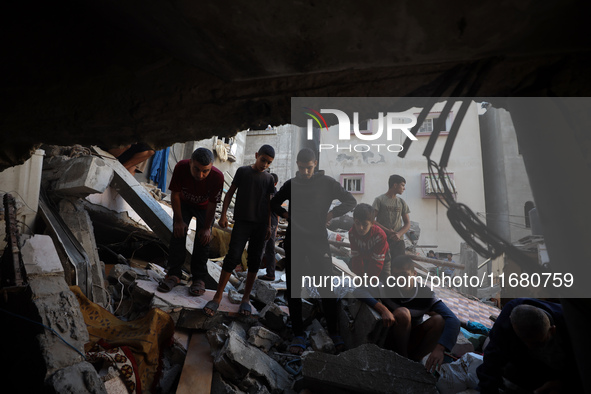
(310,196)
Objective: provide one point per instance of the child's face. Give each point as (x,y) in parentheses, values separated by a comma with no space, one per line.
(199,171)
(362,226)
(263,162)
(306,169)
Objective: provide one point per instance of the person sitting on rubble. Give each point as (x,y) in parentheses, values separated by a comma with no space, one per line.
(529,349)
(409,334)
(310,196)
(252,224)
(269,254)
(369,243)
(196,187)
(132,155)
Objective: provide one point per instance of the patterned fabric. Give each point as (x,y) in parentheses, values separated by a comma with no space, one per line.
(144,338)
(120,358)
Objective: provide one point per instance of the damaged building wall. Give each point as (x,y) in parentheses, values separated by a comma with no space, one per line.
(285,139)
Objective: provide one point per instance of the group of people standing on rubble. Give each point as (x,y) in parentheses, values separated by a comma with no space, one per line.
(376,238)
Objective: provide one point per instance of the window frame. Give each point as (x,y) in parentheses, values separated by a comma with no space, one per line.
(357,175)
(435,115)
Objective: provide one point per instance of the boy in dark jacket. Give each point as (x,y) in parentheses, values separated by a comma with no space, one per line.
(310,196)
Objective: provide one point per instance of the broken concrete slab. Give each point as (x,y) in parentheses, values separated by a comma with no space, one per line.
(40,257)
(59,309)
(138,197)
(220,386)
(79,378)
(273,317)
(84,175)
(263,338)
(320,340)
(366,369)
(360,324)
(251,385)
(237,359)
(264,292)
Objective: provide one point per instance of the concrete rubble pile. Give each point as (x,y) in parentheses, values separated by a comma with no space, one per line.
(108,235)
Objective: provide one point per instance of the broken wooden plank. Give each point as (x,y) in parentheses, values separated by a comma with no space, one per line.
(198,369)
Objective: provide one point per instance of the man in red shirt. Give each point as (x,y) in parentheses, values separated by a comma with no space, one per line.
(196,187)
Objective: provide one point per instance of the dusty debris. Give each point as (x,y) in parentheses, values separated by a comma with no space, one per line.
(263,338)
(237,360)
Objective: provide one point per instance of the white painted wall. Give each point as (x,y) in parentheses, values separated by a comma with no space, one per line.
(182,151)
(465,162)
(284,139)
(23,182)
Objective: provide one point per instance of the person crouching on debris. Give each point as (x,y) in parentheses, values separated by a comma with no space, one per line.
(252,224)
(409,335)
(529,351)
(310,196)
(196,187)
(369,243)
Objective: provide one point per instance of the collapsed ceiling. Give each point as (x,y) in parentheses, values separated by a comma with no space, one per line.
(115,72)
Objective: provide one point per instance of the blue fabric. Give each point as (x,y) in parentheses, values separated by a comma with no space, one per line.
(477,328)
(158,168)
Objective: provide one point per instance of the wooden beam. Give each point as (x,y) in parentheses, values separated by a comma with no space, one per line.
(198,369)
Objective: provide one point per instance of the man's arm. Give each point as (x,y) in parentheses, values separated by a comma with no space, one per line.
(448,337)
(223,222)
(348,202)
(204,234)
(179,227)
(283,194)
(400,233)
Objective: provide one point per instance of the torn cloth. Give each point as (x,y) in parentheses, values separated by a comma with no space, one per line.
(145,337)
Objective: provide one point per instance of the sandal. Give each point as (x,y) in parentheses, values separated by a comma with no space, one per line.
(197,288)
(298,342)
(168,284)
(212,306)
(245,309)
(266,277)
